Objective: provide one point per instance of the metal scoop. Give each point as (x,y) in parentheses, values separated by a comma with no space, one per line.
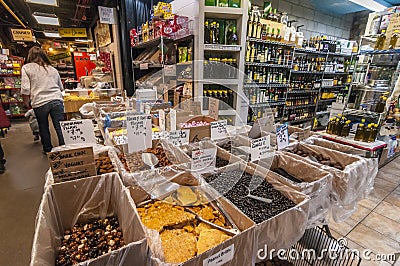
(149,159)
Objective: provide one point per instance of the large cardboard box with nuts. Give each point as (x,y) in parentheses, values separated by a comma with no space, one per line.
(235,251)
(65,204)
(314,182)
(285,229)
(349,184)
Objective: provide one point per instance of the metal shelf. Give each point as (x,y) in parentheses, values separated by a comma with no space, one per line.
(300,120)
(333,87)
(270,42)
(392,51)
(265,85)
(307,72)
(222,47)
(266,104)
(222,12)
(322,112)
(307,51)
(300,106)
(326,100)
(301,91)
(151,43)
(267,65)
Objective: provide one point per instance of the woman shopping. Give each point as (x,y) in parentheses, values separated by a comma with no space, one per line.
(41,85)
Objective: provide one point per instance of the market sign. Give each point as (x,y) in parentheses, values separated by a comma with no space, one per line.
(72,32)
(25,35)
(59,56)
(107,15)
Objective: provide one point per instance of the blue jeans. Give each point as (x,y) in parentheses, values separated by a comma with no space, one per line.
(56,110)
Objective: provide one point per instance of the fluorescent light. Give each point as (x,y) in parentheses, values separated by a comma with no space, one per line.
(43,2)
(46,19)
(370,4)
(51,49)
(81,40)
(52,34)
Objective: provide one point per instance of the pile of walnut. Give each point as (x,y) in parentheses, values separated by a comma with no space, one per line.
(320,158)
(88,241)
(161,156)
(121,156)
(104,165)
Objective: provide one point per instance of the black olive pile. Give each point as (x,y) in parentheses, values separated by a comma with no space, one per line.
(234,185)
(286,175)
(227,145)
(88,241)
(221,162)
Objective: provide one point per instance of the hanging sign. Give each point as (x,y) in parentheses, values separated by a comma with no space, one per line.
(25,35)
(218,129)
(139,132)
(260,148)
(179,137)
(78,131)
(72,32)
(59,56)
(203,159)
(282,137)
(213,108)
(107,15)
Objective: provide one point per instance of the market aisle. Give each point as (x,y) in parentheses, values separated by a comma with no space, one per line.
(21,189)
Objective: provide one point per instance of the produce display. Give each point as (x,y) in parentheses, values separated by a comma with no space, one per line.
(133,162)
(104,165)
(317,158)
(88,241)
(178,227)
(221,162)
(161,156)
(226,145)
(240,195)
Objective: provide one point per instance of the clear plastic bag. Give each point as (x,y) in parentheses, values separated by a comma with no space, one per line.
(65,204)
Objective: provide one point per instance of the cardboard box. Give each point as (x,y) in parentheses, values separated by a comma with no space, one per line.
(65,204)
(201,132)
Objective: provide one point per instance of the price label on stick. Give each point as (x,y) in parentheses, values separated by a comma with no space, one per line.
(213,108)
(218,130)
(161,120)
(179,137)
(260,148)
(172,119)
(203,159)
(139,132)
(78,131)
(282,137)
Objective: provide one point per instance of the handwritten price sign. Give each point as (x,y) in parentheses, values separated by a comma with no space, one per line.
(218,130)
(203,159)
(282,137)
(260,148)
(78,131)
(179,137)
(139,132)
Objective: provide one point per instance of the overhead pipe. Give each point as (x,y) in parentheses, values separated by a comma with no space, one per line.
(12,13)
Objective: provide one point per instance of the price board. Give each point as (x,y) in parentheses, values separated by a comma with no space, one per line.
(282,137)
(203,159)
(218,129)
(179,137)
(78,131)
(213,108)
(260,148)
(139,132)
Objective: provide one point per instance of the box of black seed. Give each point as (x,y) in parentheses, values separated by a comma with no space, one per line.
(305,178)
(91,221)
(280,212)
(350,175)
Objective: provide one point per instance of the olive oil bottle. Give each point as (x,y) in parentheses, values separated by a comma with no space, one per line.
(380,41)
(335,127)
(346,129)
(367,133)
(360,132)
(374,133)
(330,125)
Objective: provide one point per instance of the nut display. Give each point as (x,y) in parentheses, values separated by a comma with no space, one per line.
(88,241)
(221,162)
(161,156)
(104,165)
(182,235)
(238,193)
(134,162)
(121,156)
(319,157)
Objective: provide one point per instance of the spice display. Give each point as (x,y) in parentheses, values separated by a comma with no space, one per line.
(221,162)
(88,241)
(239,194)
(179,229)
(104,165)
(318,157)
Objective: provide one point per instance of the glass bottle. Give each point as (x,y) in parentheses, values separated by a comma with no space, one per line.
(250,26)
(335,127)
(330,125)
(393,39)
(278,36)
(367,133)
(233,38)
(360,132)
(269,36)
(273,37)
(380,106)
(346,129)
(374,132)
(380,41)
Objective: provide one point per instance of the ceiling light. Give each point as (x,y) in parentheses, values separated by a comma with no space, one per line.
(52,34)
(51,49)
(46,19)
(71,49)
(370,4)
(43,2)
(81,40)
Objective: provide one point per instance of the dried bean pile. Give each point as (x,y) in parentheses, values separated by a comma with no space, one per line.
(320,158)
(221,162)
(257,210)
(104,165)
(88,241)
(226,145)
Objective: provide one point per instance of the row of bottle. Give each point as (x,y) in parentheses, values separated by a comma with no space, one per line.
(320,64)
(220,68)
(300,82)
(321,43)
(380,42)
(301,99)
(259,112)
(221,93)
(366,133)
(265,75)
(263,53)
(299,114)
(339,126)
(263,95)
(223,3)
(220,31)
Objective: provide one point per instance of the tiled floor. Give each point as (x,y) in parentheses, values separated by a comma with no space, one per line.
(375,225)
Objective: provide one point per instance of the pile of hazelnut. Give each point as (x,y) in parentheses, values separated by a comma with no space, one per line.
(88,241)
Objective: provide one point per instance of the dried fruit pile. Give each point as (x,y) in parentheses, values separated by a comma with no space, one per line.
(320,158)
(104,165)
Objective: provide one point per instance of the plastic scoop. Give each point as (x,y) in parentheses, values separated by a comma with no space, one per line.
(258,198)
(149,159)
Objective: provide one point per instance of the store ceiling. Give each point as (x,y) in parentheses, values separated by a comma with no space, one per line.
(341,7)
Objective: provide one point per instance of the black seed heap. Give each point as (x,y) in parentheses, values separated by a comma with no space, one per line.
(88,241)
(221,162)
(226,145)
(285,174)
(236,183)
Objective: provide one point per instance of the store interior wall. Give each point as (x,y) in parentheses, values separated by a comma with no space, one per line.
(315,22)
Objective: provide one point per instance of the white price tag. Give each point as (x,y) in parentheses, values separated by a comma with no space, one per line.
(144,66)
(159,135)
(220,258)
(170,70)
(172,118)
(260,148)
(161,120)
(282,137)
(213,108)
(218,130)
(139,132)
(203,159)
(78,131)
(179,137)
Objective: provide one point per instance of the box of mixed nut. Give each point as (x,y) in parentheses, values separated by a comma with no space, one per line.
(91,221)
